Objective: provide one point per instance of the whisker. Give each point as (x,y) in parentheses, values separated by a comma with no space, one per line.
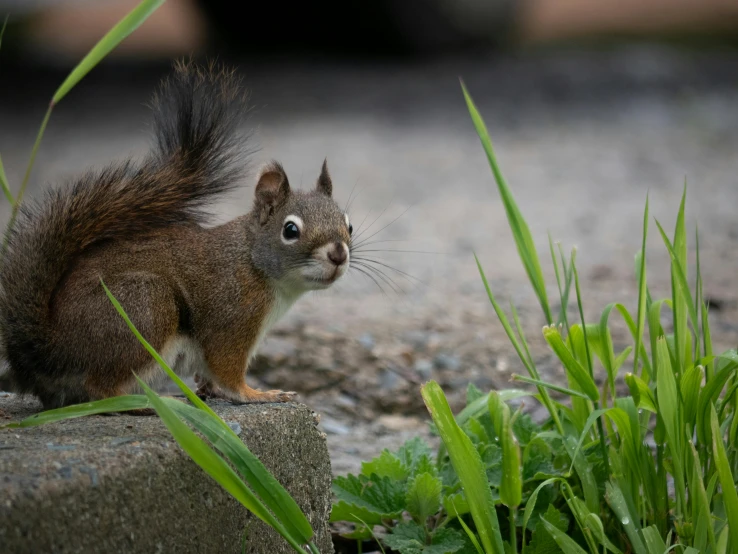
(383,228)
(351,203)
(355,249)
(382,275)
(377,219)
(348,202)
(366,273)
(408,276)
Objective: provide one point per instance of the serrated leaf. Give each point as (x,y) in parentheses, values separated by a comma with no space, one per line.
(386,465)
(406,537)
(410,538)
(423,498)
(445,541)
(415,451)
(367,500)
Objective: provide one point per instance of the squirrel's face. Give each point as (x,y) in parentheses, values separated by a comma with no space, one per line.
(302,239)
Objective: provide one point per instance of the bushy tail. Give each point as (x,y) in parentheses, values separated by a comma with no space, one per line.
(200,152)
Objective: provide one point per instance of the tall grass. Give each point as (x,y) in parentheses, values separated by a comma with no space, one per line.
(661,461)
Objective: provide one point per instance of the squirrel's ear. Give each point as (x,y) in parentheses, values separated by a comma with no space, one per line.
(325,185)
(272,190)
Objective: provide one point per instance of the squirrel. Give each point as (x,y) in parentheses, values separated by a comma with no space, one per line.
(203,297)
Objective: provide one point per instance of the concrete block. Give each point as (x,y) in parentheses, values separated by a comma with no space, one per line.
(122,484)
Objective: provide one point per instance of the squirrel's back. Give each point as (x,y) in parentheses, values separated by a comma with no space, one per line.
(199,153)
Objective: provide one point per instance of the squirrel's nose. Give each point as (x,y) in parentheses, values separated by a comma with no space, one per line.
(339,254)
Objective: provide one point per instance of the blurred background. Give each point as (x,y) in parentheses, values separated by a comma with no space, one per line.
(591,105)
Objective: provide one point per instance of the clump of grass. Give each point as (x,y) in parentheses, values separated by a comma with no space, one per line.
(651,471)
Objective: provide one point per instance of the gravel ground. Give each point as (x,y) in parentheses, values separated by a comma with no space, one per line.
(581,137)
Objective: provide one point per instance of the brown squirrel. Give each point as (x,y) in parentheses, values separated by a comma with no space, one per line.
(203,297)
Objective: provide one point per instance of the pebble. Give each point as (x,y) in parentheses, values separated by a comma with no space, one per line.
(447,361)
(393,422)
(424,368)
(367,341)
(235,426)
(388,380)
(334,427)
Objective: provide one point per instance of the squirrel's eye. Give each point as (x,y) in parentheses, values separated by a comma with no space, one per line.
(351,229)
(290,231)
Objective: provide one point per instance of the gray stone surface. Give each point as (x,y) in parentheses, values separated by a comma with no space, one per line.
(121,484)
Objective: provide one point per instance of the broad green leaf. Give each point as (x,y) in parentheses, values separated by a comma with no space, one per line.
(107,405)
(518,225)
(468,465)
(410,538)
(727,481)
(511,487)
(386,465)
(573,367)
(423,498)
(215,466)
(370,499)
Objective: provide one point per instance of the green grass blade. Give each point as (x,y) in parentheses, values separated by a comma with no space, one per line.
(704,530)
(557,388)
(685,296)
(707,341)
(545,398)
(616,500)
(562,319)
(518,225)
(727,482)
(191,396)
(215,466)
(641,393)
(642,291)
(468,466)
(115,36)
(107,405)
(4,184)
(27,176)
(573,367)
(125,27)
(654,543)
(272,493)
(531,504)
(709,395)
(565,542)
(511,486)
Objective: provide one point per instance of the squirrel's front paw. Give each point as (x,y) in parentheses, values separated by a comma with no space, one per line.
(247,395)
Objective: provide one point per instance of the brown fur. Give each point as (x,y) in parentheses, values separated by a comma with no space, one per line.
(138,228)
